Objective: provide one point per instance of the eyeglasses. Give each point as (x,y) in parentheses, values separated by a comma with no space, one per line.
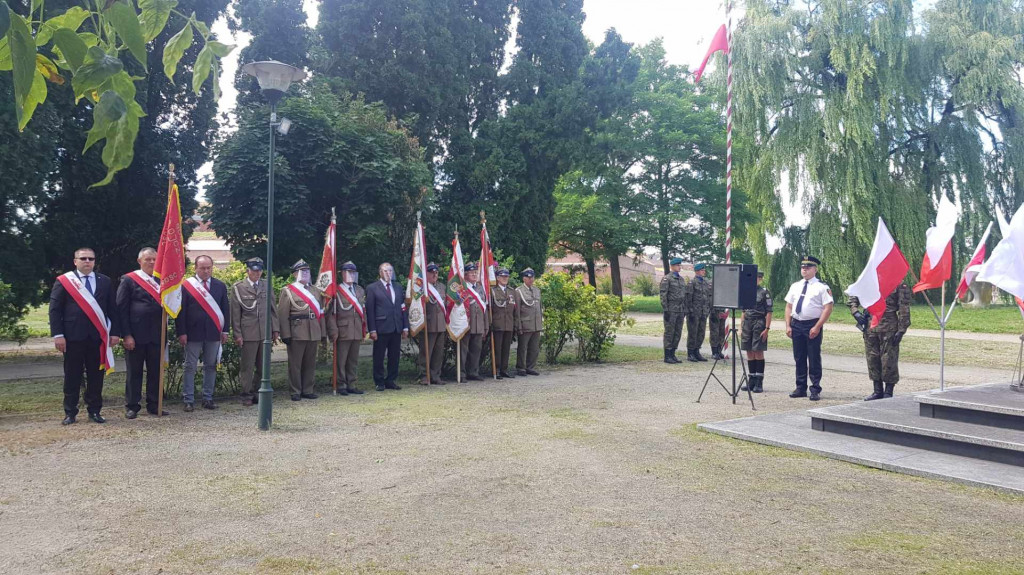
(87,259)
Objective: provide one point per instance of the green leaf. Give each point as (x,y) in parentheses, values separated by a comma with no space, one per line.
(110,109)
(154,16)
(216,80)
(175,49)
(23,62)
(126,24)
(72,19)
(200,26)
(36,96)
(5,54)
(220,50)
(119,151)
(124,85)
(5,18)
(48,69)
(201,70)
(97,68)
(71,47)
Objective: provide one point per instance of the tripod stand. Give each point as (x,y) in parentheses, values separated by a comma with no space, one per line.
(743,366)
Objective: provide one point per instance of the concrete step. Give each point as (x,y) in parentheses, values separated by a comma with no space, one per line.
(994,404)
(898,421)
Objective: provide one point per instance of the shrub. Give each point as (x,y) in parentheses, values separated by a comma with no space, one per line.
(573,311)
(602,316)
(604,285)
(643,285)
(10,316)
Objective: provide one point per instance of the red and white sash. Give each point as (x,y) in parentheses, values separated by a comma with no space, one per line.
(350,297)
(93,311)
(298,289)
(435,297)
(195,287)
(147,283)
(476,296)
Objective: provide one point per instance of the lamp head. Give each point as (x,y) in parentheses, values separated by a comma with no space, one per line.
(274,77)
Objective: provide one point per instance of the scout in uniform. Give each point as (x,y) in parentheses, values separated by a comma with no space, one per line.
(302,327)
(472,342)
(436,330)
(673,292)
(346,327)
(882,342)
(248,299)
(697,303)
(503,321)
(754,334)
(808,305)
(529,324)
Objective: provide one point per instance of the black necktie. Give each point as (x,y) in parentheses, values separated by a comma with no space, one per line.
(88,285)
(800,302)
(390,296)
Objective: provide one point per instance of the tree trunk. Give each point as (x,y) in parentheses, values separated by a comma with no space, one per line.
(591,272)
(613,260)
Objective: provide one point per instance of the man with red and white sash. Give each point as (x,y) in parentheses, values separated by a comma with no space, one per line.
(202,326)
(85,327)
(473,342)
(346,326)
(302,327)
(138,304)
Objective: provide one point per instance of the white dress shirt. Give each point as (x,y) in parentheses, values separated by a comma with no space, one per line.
(817,297)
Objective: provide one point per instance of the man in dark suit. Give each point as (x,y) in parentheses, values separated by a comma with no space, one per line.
(198,330)
(388,325)
(138,304)
(78,338)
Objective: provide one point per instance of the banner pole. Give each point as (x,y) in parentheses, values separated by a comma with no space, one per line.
(334,302)
(942,342)
(163,365)
(458,361)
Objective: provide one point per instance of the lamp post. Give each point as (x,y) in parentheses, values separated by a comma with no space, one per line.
(274,78)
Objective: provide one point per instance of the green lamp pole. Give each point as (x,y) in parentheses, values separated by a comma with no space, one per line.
(274,78)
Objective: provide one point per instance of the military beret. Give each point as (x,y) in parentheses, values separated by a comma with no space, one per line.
(760,274)
(349,267)
(675,261)
(255,264)
(810,261)
(300,265)
(503,272)
(471,267)
(528,273)
(699,267)
(432,267)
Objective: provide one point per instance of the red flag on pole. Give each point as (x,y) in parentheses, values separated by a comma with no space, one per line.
(719,42)
(487,265)
(170,256)
(326,281)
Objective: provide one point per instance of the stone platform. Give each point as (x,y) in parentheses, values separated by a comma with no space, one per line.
(972,435)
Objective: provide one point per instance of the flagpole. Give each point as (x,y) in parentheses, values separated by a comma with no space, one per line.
(163,330)
(334,300)
(487,280)
(728,135)
(426,293)
(942,342)
(458,343)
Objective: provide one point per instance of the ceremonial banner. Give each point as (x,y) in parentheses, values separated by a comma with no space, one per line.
(719,42)
(415,290)
(974,266)
(884,271)
(455,302)
(170,256)
(937,266)
(325,282)
(487,265)
(1005,268)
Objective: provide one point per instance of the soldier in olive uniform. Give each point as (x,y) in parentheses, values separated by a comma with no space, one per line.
(503,321)
(436,331)
(529,324)
(716,329)
(473,342)
(346,327)
(754,334)
(697,303)
(673,292)
(248,300)
(302,327)
(882,342)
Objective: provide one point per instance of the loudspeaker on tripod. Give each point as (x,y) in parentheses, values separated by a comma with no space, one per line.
(735,286)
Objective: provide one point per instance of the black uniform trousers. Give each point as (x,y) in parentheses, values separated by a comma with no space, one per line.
(144,355)
(391,345)
(83,357)
(807,353)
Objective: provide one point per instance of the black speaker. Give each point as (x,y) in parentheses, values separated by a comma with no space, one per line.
(735,286)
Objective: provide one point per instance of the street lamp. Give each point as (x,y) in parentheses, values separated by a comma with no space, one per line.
(274,78)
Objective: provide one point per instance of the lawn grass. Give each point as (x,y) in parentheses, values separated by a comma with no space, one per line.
(37,320)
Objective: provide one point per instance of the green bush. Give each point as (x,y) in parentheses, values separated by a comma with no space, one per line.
(573,311)
(10,316)
(604,285)
(643,285)
(601,317)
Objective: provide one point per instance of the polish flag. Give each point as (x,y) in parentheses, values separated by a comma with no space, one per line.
(719,42)
(937,266)
(1005,268)
(973,266)
(884,271)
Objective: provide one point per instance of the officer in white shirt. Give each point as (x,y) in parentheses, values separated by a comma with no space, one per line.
(808,306)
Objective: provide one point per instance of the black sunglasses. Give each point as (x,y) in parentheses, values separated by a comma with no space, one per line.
(87,259)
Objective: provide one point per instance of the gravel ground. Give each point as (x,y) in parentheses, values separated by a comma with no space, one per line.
(582,470)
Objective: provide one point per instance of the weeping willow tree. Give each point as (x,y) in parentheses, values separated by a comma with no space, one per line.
(869,110)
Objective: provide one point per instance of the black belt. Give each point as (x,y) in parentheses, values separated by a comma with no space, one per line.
(814,320)
(310,316)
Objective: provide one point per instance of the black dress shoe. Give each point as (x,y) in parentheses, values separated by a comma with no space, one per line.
(189,407)
(392,386)
(209,404)
(521,372)
(353,391)
(153,412)
(815,396)
(68,420)
(507,374)
(130,414)
(97,418)
(309,396)
(798,393)
(340,391)
(531,372)
(296,397)
(380,387)
(474,378)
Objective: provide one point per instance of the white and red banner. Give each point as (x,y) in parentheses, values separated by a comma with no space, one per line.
(326,280)
(92,310)
(1005,267)
(937,266)
(884,271)
(170,256)
(415,289)
(455,302)
(974,266)
(300,290)
(488,269)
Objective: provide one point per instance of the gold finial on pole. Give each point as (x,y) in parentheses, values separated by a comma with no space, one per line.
(418,212)
(170,171)
(483,217)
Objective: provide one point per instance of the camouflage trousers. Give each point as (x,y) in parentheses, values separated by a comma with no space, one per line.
(717,328)
(695,326)
(673,330)
(883,357)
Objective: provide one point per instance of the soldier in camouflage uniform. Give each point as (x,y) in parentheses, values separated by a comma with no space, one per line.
(673,290)
(882,342)
(697,303)
(716,327)
(754,334)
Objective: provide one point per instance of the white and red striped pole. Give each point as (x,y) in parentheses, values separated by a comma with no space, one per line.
(728,135)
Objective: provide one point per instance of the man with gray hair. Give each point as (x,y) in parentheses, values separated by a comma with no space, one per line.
(138,304)
(202,326)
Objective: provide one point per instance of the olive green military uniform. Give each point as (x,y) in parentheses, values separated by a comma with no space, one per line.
(249,321)
(698,306)
(716,329)
(673,294)
(503,325)
(529,324)
(882,342)
(754,322)
(472,342)
(346,326)
(303,330)
(436,334)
